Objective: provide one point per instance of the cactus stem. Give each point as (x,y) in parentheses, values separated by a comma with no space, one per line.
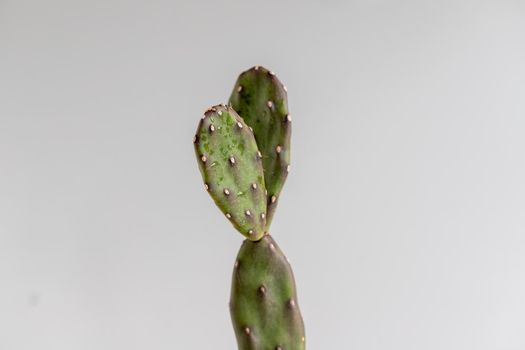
(264,299)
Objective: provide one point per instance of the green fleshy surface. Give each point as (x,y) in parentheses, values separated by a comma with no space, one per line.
(237,188)
(261,100)
(263,303)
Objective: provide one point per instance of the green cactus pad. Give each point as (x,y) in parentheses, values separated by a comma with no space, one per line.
(260,99)
(231,168)
(263,303)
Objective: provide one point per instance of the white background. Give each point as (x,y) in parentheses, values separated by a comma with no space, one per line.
(403,216)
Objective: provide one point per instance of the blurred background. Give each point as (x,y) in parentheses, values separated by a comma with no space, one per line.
(403,215)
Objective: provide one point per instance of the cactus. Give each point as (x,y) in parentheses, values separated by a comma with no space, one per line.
(260,99)
(243,152)
(230,163)
(263,303)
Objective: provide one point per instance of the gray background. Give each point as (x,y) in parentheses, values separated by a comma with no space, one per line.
(403,216)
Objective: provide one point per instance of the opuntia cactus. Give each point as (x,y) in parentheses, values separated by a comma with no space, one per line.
(231,167)
(263,303)
(243,152)
(260,99)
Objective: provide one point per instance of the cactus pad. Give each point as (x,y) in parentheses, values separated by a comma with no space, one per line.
(260,99)
(263,303)
(231,167)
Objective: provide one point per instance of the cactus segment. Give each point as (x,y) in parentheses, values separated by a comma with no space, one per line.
(261,100)
(232,171)
(263,303)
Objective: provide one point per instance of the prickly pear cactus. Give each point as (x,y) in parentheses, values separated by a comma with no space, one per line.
(243,152)
(260,99)
(263,303)
(230,164)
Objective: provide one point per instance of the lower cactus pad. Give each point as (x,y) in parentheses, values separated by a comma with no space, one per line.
(263,304)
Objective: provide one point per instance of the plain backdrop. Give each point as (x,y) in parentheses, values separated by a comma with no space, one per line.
(403,215)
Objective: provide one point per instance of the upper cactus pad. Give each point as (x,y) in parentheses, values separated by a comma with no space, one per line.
(230,164)
(260,99)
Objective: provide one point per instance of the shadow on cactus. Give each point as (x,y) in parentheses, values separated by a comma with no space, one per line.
(243,152)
